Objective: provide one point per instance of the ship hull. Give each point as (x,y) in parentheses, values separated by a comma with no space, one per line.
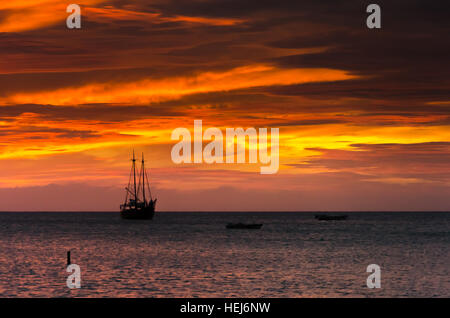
(146,213)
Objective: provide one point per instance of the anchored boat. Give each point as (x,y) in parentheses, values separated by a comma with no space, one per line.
(326,217)
(139,204)
(243,226)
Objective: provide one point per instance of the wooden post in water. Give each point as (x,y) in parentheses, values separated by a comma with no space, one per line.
(68,258)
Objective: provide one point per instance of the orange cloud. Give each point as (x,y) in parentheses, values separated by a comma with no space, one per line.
(109,12)
(156,90)
(23,15)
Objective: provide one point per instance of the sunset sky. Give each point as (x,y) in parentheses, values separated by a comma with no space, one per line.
(364,114)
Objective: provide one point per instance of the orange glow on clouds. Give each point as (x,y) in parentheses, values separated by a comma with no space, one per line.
(150,90)
(109,12)
(30,15)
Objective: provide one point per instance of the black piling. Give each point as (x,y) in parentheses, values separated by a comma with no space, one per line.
(68,257)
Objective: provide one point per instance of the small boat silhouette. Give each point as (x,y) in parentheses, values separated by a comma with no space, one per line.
(325,217)
(243,226)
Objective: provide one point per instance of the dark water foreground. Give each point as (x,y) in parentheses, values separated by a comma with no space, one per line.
(193,255)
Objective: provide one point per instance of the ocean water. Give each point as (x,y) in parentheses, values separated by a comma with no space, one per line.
(194,255)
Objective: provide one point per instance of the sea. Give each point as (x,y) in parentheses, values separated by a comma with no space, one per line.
(192,254)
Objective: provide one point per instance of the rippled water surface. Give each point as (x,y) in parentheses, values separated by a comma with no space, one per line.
(193,255)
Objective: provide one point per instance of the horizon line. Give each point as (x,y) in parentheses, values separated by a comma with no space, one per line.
(252,211)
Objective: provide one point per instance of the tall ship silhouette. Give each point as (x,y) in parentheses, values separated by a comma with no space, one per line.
(139,204)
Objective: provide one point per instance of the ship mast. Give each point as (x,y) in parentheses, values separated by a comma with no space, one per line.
(143,180)
(134,176)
